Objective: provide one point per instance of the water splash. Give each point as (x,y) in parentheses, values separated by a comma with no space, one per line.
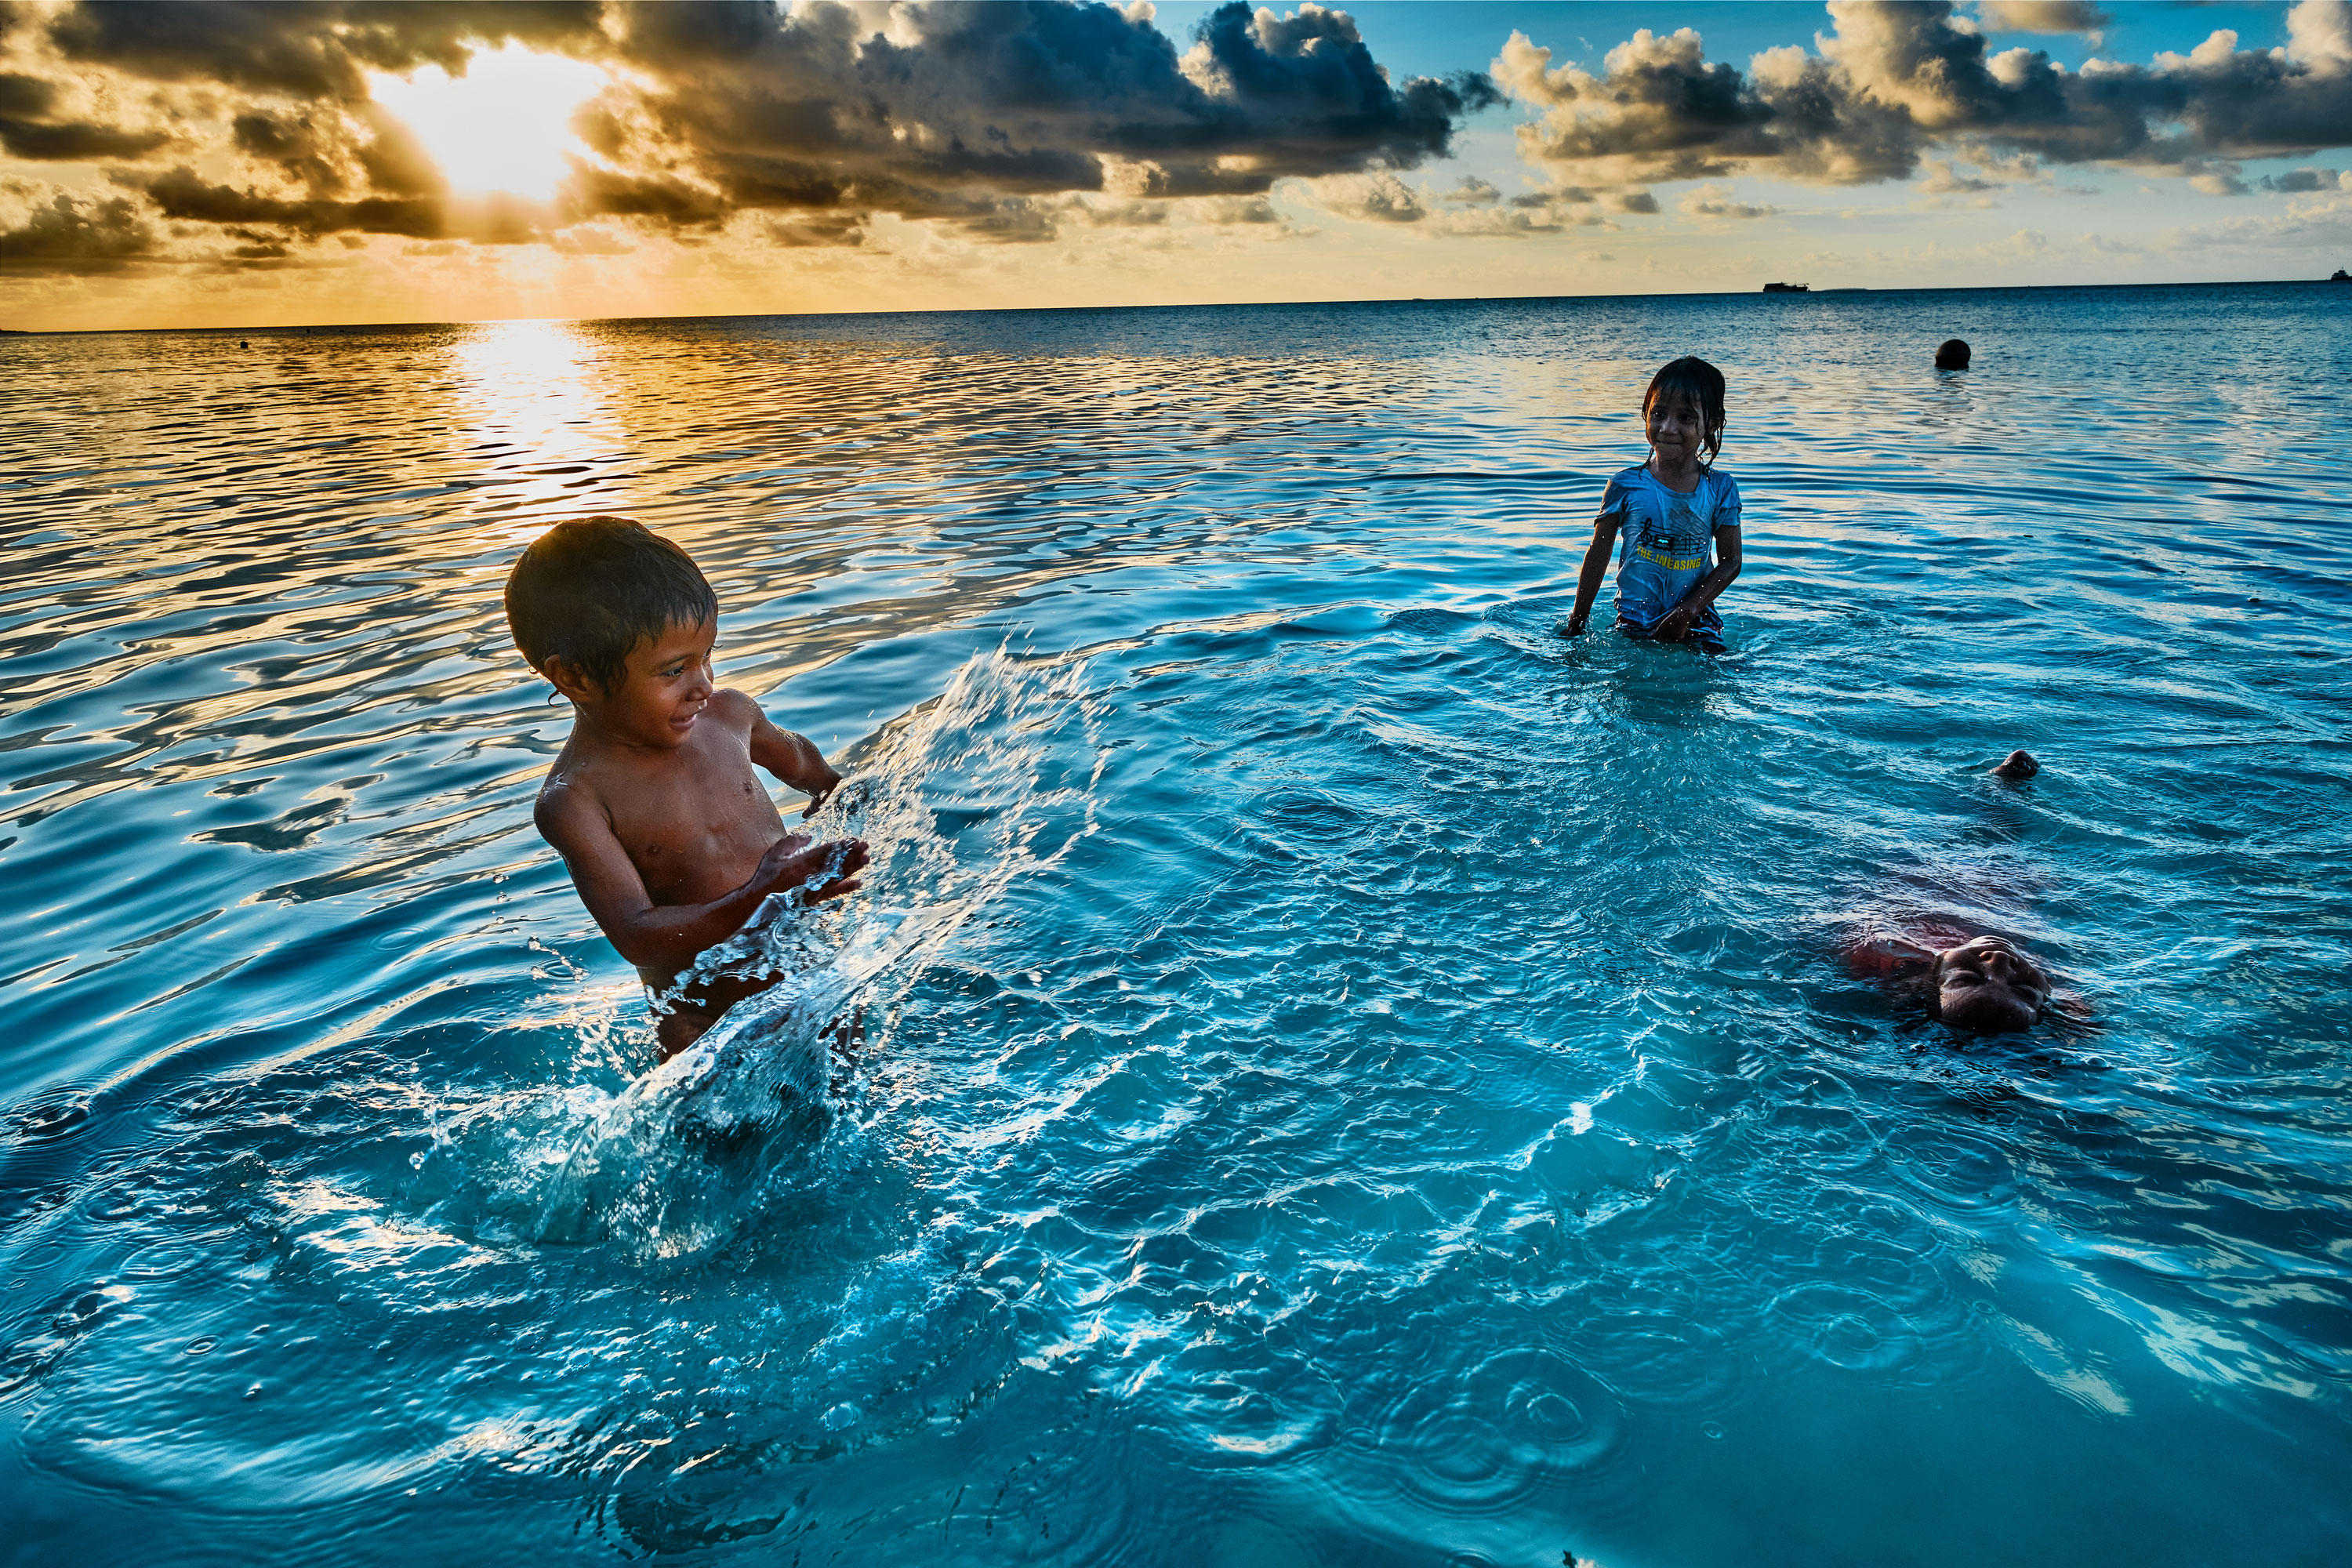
(987,787)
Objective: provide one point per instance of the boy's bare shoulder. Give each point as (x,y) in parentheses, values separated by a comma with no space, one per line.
(734,708)
(569,801)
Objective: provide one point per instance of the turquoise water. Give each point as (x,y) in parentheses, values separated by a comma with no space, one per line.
(1350,1078)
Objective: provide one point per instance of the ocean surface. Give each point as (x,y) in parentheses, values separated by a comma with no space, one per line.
(1350,1076)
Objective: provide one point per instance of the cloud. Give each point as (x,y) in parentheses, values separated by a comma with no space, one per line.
(320,49)
(587,240)
(2319,34)
(32,129)
(2041,16)
(1892,83)
(811,117)
(815,108)
(1715,200)
(70,236)
(1943,179)
(2321,225)
(183,196)
(1231,210)
(1374,198)
(1471,207)
(75,142)
(2299,179)
(1120,212)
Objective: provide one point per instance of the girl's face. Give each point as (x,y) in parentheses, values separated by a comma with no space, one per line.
(1676,429)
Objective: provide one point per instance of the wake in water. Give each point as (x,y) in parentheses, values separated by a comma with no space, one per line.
(991,784)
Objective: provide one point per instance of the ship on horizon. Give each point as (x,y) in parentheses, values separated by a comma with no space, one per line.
(1788,288)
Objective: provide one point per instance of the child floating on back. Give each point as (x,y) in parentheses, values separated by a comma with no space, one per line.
(1980,984)
(669,836)
(1968,979)
(1669,511)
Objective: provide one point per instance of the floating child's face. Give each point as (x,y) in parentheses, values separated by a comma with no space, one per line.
(1989,987)
(663,690)
(1677,430)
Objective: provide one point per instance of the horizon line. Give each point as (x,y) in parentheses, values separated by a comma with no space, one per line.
(1758,293)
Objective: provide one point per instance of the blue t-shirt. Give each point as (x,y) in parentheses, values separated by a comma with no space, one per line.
(1665,543)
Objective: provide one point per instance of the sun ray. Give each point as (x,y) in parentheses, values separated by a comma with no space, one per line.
(504,127)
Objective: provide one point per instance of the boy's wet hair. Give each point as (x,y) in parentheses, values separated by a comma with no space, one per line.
(589,590)
(1698,383)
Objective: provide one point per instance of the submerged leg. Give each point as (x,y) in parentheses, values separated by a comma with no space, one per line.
(679,1027)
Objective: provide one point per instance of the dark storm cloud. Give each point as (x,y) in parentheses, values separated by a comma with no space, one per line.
(70,236)
(316,49)
(817,108)
(27,95)
(184,197)
(292,143)
(1894,81)
(32,129)
(74,141)
(2297,181)
(983,117)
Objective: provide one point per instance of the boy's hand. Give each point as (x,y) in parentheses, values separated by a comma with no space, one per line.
(1574,626)
(821,789)
(792,860)
(1675,627)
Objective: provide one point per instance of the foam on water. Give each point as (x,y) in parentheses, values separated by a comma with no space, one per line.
(1346,1075)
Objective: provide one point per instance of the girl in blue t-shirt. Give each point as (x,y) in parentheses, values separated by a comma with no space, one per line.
(1669,511)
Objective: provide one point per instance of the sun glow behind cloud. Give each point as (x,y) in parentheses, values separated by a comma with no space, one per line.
(504,126)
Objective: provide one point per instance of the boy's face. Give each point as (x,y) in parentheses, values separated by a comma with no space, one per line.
(1989,987)
(664,691)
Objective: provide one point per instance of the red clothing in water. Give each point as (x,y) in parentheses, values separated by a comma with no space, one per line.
(1877,954)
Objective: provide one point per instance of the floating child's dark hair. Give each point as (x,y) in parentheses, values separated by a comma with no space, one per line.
(1693,379)
(589,590)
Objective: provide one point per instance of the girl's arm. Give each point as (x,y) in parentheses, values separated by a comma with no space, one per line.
(1596,562)
(1726,567)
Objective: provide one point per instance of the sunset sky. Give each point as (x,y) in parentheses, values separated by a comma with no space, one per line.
(222,163)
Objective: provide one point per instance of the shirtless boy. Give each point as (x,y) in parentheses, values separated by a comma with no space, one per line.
(669,836)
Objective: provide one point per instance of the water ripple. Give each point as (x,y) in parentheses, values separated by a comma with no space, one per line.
(1378,1085)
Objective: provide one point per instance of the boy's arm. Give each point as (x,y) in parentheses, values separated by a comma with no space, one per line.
(1596,564)
(792,758)
(1726,567)
(665,937)
(1881,955)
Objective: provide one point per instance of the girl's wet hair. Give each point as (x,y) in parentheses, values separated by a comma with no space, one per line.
(1700,384)
(589,590)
